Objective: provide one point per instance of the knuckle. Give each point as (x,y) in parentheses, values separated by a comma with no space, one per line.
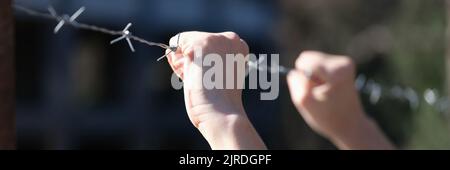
(311,58)
(311,54)
(244,46)
(346,66)
(342,71)
(231,35)
(211,37)
(189,51)
(298,62)
(305,100)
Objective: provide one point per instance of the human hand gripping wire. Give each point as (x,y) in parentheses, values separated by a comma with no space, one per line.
(364,85)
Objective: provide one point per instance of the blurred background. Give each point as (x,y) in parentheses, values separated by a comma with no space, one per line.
(75,91)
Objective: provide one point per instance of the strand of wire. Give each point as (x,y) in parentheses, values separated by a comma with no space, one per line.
(52,15)
(375,91)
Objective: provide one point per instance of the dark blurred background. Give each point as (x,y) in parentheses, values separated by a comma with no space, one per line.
(75,91)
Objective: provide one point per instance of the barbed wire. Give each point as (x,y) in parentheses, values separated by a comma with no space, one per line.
(374,90)
(71,20)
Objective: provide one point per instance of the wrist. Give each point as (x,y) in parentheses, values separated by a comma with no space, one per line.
(363,133)
(352,126)
(231,131)
(351,129)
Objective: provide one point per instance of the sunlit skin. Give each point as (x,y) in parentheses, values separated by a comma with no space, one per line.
(218,114)
(330,104)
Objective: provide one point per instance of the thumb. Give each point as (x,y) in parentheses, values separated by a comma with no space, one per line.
(300,87)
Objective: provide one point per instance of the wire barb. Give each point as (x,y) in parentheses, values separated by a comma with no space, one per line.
(172,48)
(364,85)
(65,18)
(71,20)
(125,35)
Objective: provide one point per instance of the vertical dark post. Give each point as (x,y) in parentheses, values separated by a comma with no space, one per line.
(7,77)
(447,47)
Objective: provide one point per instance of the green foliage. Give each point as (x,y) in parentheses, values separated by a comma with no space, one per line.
(418,60)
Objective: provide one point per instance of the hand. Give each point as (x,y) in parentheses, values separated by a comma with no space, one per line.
(217,113)
(329,102)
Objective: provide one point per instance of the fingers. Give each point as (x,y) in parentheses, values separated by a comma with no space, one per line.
(312,64)
(341,70)
(188,42)
(177,63)
(244,47)
(309,77)
(316,74)
(300,87)
(231,35)
(326,68)
(174,42)
(296,86)
(176,58)
(237,42)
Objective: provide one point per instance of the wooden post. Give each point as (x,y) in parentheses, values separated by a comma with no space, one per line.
(447,47)
(7,77)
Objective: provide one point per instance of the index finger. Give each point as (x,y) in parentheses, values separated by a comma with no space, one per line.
(174,43)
